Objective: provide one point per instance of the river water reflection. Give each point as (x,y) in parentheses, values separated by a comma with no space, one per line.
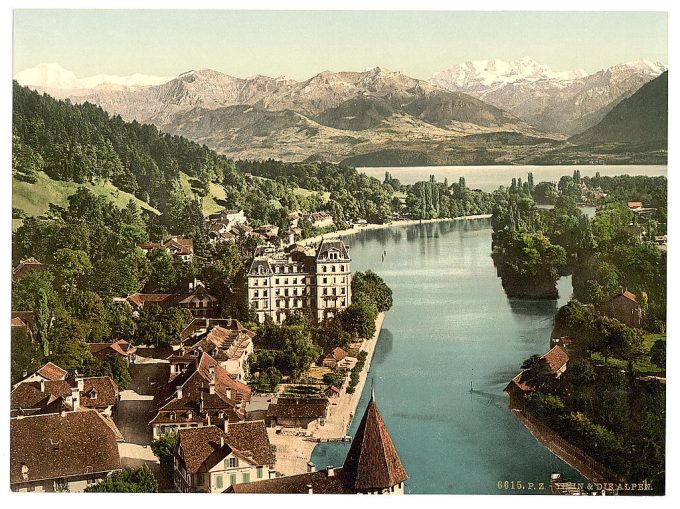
(451,325)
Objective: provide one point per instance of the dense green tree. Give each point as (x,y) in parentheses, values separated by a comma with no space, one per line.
(163,447)
(158,325)
(70,266)
(140,480)
(657,353)
(68,344)
(359,318)
(26,355)
(371,286)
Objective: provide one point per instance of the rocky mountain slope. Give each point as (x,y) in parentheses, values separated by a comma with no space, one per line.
(642,118)
(566,102)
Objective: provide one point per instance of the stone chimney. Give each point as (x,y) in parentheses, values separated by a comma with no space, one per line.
(75,398)
(221,440)
(208,417)
(310,490)
(311,467)
(42,385)
(80,383)
(330,471)
(228,393)
(211,387)
(179,392)
(226,425)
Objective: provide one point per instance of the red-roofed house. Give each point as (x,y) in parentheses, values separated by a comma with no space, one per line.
(202,395)
(634,205)
(25,267)
(198,301)
(517,389)
(48,372)
(625,308)
(120,347)
(177,246)
(334,358)
(210,459)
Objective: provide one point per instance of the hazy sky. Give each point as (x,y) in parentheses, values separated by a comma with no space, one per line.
(300,44)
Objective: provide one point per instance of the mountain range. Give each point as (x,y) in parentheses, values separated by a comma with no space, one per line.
(568,102)
(516,109)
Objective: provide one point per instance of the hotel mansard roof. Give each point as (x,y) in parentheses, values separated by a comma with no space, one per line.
(196,403)
(372,464)
(210,444)
(55,445)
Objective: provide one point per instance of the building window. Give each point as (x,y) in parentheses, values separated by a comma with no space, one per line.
(324,268)
(260,472)
(277,281)
(342,268)
(233,462)
(246,477)
(219,482)
(333,268)
(200,479)
(325,280)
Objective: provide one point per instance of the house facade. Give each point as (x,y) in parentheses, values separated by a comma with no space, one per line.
(212,459)
(197,300)
(625,308)
(316,281)
(177,246)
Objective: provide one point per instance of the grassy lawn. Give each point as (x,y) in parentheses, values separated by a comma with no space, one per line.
(643,364)
(34,199)
(301,191)
(209,202)
(317,372)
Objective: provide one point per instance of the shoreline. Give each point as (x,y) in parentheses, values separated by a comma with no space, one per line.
(293,452)
(393,224)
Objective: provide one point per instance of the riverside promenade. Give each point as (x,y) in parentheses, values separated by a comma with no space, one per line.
(293,451)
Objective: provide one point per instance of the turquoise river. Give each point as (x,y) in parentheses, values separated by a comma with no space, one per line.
(451,325)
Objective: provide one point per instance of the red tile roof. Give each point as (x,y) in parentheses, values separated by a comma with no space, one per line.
(120,347)
(196,398)
(337,354)
(53,446)
(628,295)
(208,445)
(556,358)
(28,395)
(372,462)
(51,371)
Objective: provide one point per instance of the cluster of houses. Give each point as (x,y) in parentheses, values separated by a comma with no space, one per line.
(316,280)
(62,431)
(227,225)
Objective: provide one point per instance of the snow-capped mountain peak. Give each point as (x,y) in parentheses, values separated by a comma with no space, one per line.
(54,76)
(485,73)
(647,66)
